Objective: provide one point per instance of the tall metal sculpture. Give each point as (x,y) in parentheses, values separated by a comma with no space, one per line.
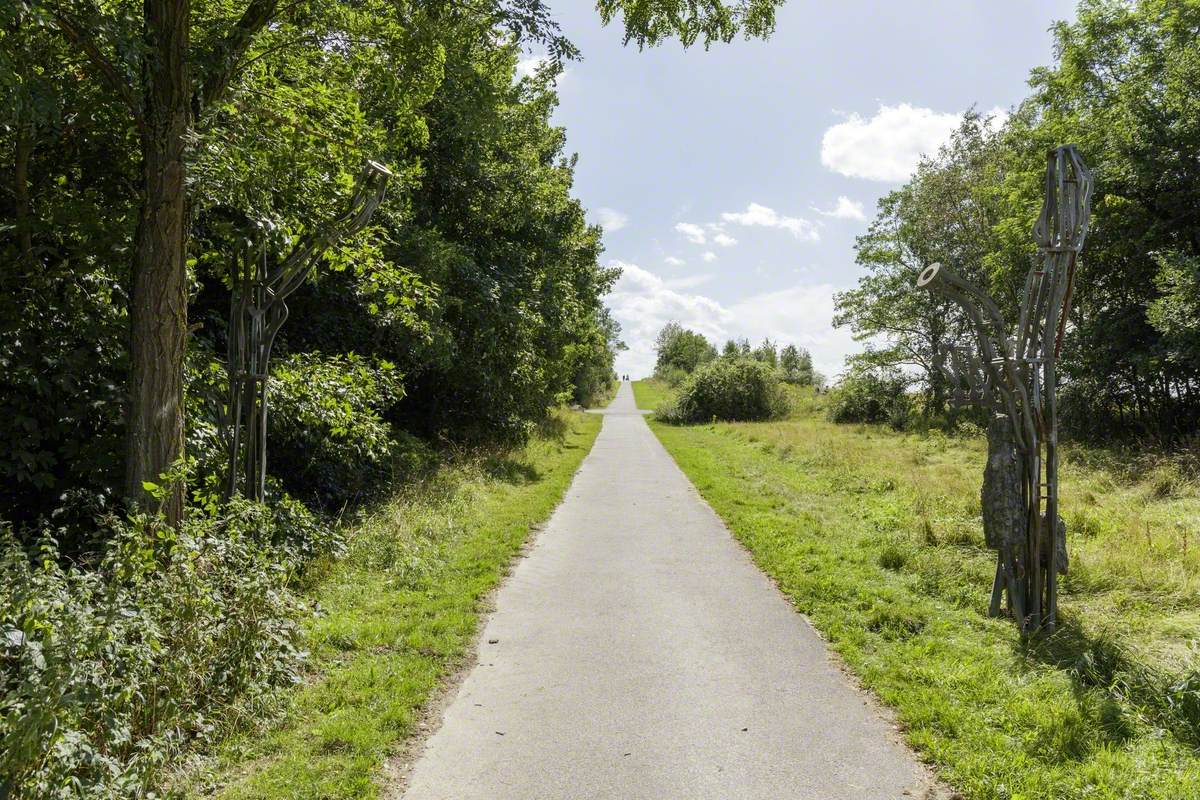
(1014,378)
(257,312)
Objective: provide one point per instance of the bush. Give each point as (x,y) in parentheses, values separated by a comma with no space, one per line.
(872,395)
(672,376)
(728,389)
(107,671)
(62,372)
(328,442)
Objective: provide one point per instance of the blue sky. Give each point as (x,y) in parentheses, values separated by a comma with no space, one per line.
(732,182)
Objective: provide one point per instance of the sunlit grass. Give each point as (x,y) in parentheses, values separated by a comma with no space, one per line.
(650,393)
(876,536)
(397,614)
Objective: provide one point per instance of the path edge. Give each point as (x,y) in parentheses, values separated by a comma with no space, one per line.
(933,788)
(398,766)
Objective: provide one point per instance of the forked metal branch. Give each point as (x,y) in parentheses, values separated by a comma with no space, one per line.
(258,310)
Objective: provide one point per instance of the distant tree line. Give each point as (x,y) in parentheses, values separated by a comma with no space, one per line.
(1124,88)
(680,352)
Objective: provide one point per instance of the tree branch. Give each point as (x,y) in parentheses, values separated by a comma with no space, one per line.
(223,61)
(108,73)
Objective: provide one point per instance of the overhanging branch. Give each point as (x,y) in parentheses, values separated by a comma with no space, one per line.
(109,75)
(223,61)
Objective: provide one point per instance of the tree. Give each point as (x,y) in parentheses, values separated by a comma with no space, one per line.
(680,350)
(947,212)
(650,22)
(767,353)
(1125,89)
(170,71)
(796,366)
(731,349)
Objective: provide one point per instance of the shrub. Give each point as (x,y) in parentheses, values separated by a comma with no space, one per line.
(728,389)
(671,375)
(106,671)
(328,441)
(62,371)
(872,395)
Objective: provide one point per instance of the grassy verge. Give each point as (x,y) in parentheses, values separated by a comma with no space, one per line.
(876,536)
(651,393)
(397,614)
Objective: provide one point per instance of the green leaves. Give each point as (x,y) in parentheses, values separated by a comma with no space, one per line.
(1124,90)
(650,22)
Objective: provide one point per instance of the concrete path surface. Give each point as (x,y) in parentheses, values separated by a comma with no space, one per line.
(637,653)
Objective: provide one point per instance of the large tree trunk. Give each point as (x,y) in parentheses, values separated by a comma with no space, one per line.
(158,302)
(22,156)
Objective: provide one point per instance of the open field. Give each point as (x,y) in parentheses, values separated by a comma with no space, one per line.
(875,535)
(650,394)
(397,615)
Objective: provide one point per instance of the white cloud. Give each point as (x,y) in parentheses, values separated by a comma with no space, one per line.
(887,146)
(527,67)
(845,209)
(724,240)
(643,302)
(756,214)
(675,262)
(690,281)
(802,314)
(694,233)
(709,256)
(611,220)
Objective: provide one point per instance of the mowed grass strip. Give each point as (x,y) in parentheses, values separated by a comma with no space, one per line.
(397,615)
(876,537)
(651,393)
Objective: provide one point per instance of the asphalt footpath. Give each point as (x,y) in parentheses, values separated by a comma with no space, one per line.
(637,653)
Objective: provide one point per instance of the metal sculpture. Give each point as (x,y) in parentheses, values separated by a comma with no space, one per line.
(1014,379)
(258,310)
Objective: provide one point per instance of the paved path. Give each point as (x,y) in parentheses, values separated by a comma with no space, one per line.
(638,653)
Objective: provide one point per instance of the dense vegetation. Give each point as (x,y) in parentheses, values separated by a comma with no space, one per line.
(679,352)
(742,383)
(466,312)
(728,389)
(1124,89)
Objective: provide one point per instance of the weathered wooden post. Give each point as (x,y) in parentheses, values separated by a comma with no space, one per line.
(257,312)
(1015,381)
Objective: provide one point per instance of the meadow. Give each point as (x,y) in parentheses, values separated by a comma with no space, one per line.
(876,536)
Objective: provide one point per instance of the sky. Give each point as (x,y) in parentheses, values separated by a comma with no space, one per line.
(731,183)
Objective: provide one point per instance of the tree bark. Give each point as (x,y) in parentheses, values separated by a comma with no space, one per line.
(22,156)
(158,300)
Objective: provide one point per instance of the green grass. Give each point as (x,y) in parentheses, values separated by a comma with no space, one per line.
(397,615)
(876,536)
(650,393)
